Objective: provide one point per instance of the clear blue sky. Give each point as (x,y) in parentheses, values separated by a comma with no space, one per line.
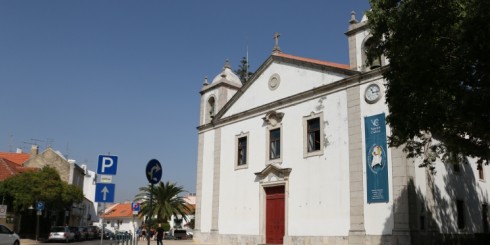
(94,77)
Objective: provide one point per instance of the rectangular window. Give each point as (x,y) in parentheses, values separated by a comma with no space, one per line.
(480,172)
(313,132)
(275,144)
(456,167)
(422,216)
(242,151)
(460,213)
(484,216)
(313,135)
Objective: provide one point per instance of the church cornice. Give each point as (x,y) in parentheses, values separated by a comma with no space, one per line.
(356,80)
(230,85)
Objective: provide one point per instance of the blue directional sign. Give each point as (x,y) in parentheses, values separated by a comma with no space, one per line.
(104,192)
(107,165)
(154,171)
(136,206)
(40,206)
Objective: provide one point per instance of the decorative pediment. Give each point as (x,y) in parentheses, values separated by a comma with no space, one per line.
(273,173)
(273,118)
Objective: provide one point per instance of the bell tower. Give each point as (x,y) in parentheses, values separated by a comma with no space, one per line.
(216,94)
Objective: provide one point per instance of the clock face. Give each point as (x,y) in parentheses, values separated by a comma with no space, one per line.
(372,93)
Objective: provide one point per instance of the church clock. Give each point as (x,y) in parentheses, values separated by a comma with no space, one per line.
(372,93)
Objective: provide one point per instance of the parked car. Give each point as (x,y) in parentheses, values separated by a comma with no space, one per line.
(8,237)
(109,235)
(90,233)
(76,231)
(61,233)
(95,230)
(180,234)
(83,233)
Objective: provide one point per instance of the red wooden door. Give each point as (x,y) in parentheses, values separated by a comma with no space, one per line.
(274,212)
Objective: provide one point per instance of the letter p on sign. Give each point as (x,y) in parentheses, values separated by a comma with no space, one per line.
(107,165)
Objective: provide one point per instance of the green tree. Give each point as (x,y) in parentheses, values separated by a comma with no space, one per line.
(243,70)
(167,201)
(438,76)
(25,189)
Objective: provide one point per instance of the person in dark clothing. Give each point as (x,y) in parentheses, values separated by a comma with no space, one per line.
(159,235)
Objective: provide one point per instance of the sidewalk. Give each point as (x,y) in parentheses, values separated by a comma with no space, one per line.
(165,242)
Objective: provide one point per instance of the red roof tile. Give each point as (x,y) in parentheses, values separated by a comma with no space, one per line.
(120,210)
(9,169)
(18,158)
(319,62)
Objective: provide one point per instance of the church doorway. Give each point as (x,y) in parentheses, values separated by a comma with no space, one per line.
(274,213)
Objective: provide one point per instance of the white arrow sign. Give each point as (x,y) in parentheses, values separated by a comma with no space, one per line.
(104,192)
(154,169)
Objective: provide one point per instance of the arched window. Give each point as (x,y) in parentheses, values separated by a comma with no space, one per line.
(211,108)
(376,62)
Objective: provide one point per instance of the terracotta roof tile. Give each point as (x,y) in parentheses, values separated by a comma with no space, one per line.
(120,210)
(9,169)
(192,208)
(319,62)
(18,158)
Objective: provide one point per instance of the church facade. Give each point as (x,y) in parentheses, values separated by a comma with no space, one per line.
(299,155)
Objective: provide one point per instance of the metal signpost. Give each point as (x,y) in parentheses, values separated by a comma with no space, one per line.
(39,208)
(153,174)
(136,207)
(104,192)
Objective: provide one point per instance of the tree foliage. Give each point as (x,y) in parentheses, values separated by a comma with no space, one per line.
(438,76)
(243,71)
(167,201)
(25,189)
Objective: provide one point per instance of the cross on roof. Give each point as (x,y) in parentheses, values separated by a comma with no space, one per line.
(276,47)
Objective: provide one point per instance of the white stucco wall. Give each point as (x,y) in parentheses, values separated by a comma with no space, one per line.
(378,217)
(450,186)
(318,185)
(239,193)
(318,197)
(207,181)
(292,81)
(128,224)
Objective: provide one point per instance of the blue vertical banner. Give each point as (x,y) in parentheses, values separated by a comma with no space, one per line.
(376,159)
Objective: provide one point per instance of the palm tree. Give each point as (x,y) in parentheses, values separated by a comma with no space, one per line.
(167,201)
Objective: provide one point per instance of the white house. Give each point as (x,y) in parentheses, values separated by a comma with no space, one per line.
(119,217)
(177,221)
(90,206)
(298,155)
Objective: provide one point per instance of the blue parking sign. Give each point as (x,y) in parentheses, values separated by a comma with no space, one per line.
(107,165)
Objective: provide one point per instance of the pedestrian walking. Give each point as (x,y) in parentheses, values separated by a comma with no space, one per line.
(159,234)
(143,233)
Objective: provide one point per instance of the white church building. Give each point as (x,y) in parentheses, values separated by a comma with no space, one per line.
(299,155)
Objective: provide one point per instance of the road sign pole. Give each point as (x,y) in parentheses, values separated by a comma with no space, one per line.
(153,174)
(102,221)
(37,226)
(151,212)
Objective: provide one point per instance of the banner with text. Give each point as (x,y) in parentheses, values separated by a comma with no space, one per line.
(376,159)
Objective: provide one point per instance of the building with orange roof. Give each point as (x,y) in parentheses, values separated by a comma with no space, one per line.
(16,157)
(9,169)
(119,217)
